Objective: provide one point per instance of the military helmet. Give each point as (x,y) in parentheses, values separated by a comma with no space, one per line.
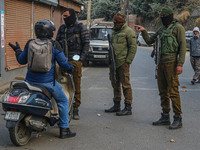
(44,29)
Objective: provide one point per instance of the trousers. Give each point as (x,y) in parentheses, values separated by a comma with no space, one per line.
(61,100)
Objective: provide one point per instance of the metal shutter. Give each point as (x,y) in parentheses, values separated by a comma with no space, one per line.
(17,28)
(57,19)
(40,12)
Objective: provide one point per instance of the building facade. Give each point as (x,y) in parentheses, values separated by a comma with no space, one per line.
(18,18)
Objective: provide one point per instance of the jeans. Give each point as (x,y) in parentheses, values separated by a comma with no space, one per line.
(61,100)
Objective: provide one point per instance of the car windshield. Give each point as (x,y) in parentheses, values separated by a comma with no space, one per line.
(189,35)
(100,33)
(150,34)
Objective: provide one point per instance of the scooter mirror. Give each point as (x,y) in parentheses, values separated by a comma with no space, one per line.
(76,57)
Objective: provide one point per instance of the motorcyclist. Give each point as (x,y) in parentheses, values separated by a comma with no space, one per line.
(44,31)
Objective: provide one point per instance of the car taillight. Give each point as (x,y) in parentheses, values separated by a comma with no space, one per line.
(13,109)
(13,99)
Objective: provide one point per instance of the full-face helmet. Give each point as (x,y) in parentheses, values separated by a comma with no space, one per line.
(44,29)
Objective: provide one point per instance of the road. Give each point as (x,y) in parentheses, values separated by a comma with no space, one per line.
(97,130)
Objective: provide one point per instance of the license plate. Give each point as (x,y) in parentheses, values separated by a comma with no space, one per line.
(99,56)
(11,115)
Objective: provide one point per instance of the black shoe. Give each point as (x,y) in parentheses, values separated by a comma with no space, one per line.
(115,108)
(164,120)
(75,114)
(177,123)
(125,111)
(66,133)
(194,81)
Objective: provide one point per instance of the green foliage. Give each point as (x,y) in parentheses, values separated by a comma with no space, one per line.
(105,9)
(148,9)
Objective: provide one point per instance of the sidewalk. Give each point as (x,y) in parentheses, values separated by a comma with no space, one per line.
(5,86)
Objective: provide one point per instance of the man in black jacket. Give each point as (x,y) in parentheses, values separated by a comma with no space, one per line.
(74,38)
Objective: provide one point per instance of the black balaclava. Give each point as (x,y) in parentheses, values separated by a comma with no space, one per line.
(167,20)
(71,19)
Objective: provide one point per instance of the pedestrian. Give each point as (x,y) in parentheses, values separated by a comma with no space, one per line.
(195,55)
(74,39)
(171,60)
(123,41)
(41,68)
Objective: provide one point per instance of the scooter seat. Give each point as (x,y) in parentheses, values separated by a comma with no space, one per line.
(32,87)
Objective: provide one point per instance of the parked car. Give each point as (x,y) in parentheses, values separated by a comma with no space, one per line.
(99,46)
(188,36)
(140,40)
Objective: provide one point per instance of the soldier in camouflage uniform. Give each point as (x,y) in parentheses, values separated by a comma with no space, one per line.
(124,45)
(74,39)
(172,57)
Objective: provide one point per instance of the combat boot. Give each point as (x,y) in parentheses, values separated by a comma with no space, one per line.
(66,133)
(164,120)
(125,111)
(75,114)
(177,123)
(115,108)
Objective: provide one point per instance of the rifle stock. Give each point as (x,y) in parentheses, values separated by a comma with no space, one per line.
(112,58)
(156,55)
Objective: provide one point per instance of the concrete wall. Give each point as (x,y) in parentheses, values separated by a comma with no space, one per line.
(2,49)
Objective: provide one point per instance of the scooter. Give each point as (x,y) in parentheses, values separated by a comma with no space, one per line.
(31,108)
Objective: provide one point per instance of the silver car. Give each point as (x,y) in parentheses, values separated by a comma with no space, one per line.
(99,46)
(140,40)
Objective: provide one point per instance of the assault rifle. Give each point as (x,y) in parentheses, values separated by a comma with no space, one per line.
(112,58)
(156,54)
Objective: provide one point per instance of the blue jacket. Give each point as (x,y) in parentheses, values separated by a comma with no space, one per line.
(57,55)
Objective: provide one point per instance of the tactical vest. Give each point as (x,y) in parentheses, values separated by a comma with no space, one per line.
(195,47)
(169,43)
(73,38)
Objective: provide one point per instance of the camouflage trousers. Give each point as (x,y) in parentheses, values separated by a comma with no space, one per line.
(122,78)
(77,74)
(168,83)
(195,62)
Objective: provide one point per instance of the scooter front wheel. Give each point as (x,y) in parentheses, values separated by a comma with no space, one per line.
(20,134)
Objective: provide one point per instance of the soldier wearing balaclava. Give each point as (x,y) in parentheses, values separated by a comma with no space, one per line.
(171,56)
(124,45)
(74,38)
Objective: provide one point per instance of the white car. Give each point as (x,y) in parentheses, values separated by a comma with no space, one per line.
(140,40)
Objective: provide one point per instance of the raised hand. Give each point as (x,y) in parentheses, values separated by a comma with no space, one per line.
(139,28)
(14,47)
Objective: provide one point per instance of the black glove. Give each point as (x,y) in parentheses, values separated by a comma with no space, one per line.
(15,48)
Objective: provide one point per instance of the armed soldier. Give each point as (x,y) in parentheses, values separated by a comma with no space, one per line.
(74,38)
(124,46)
(172,57)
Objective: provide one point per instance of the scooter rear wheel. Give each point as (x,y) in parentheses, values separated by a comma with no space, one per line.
(20,134)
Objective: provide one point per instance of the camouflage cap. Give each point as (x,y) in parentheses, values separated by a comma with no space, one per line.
(166,11)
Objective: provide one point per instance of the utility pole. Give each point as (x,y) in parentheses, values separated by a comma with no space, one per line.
(127,10)
(89,14)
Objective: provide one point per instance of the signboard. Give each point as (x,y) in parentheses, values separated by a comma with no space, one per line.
(2,28)
(49,2)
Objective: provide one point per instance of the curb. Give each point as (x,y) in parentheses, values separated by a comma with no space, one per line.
(5,87)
